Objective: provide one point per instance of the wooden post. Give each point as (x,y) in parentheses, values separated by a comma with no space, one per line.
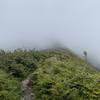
(85,55)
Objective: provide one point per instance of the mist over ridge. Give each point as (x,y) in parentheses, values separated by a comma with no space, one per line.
(41,24)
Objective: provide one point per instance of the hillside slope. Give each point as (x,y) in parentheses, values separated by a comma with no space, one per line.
(56,74)
(64,76)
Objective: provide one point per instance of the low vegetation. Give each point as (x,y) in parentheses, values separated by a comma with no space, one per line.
(57,74)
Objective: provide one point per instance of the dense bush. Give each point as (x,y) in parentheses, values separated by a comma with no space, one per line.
(9,87)
(57,80)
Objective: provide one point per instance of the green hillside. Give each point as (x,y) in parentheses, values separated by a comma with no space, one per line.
(57,74)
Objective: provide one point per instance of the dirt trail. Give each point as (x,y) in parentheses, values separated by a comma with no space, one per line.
(26,88)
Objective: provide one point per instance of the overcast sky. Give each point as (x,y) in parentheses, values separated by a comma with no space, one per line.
(38,23)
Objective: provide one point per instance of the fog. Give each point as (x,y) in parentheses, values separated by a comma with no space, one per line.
(41,23)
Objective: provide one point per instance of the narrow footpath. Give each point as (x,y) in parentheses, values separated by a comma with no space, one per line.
(26,88)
